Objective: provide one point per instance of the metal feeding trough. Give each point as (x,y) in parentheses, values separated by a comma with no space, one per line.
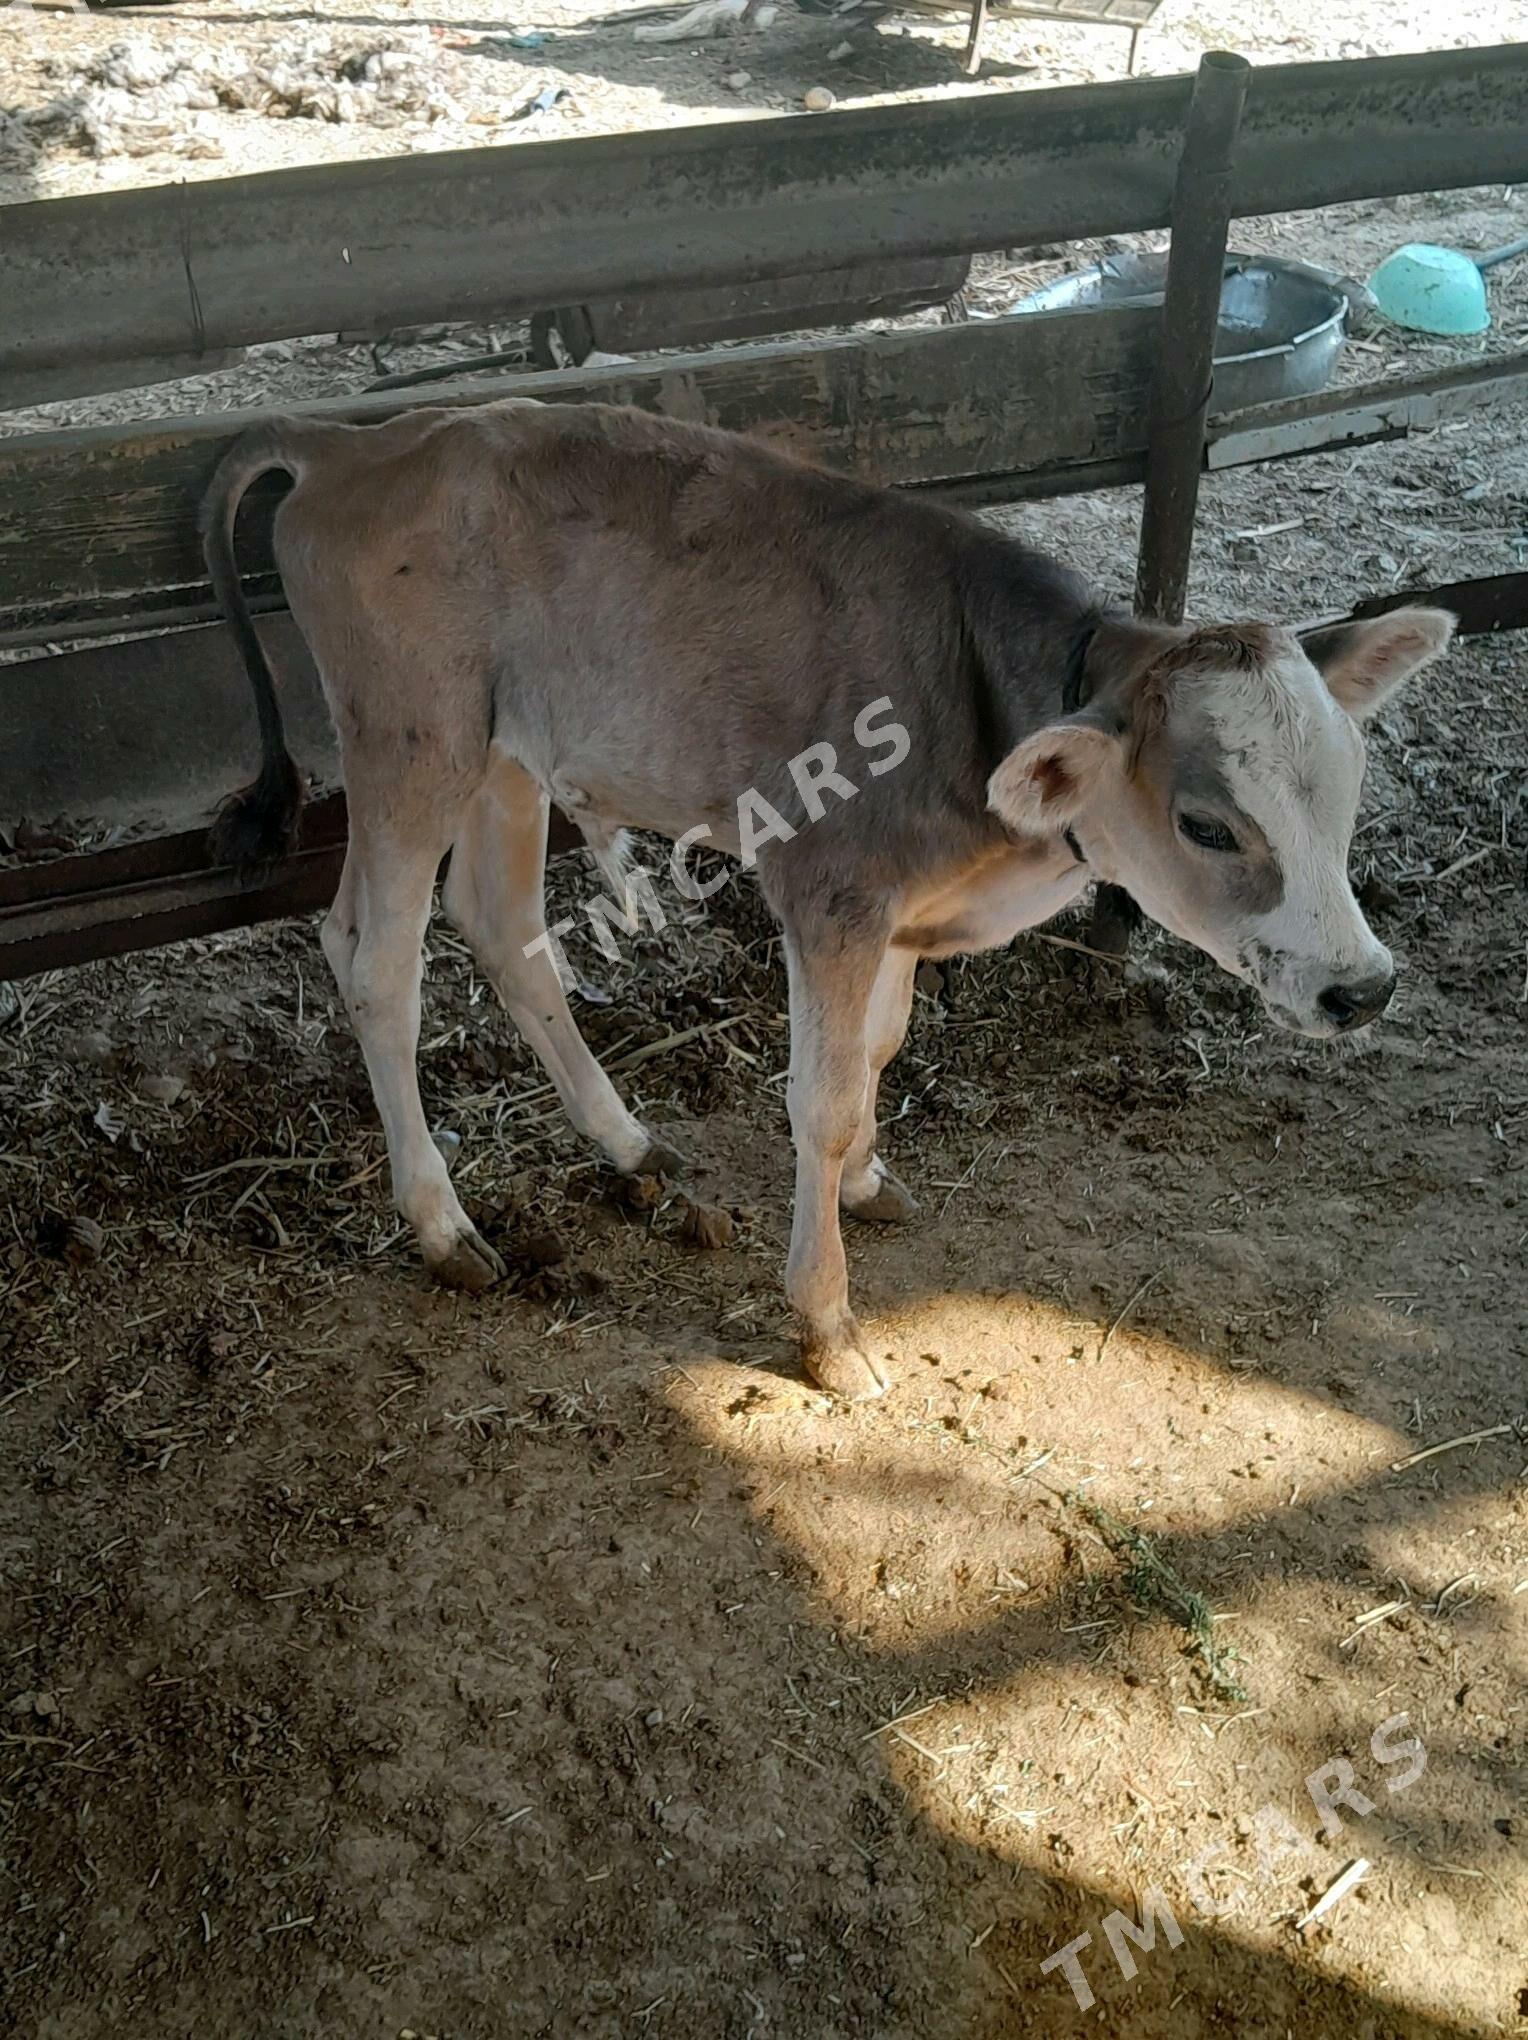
(1281,328)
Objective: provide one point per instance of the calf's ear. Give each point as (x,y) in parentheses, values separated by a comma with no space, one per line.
(1046,782)
(1363,664)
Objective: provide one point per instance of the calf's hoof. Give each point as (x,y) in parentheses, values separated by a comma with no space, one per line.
(885,1199)
(470,1263)
(659,1160)
(843,1364)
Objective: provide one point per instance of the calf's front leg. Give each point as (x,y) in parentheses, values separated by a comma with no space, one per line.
(831,979)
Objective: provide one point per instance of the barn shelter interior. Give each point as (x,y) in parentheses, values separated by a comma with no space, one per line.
(559,1660)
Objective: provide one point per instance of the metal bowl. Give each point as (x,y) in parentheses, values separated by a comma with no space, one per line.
(1281,329)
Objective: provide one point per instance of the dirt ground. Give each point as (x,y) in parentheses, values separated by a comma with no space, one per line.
(383,1662)
(460,78)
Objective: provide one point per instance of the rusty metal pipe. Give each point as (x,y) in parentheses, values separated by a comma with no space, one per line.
(1201,221)
(1180,402)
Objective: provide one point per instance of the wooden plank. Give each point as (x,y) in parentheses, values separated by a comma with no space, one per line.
(1363,413)
(641,321)
(150,733)
(489,232)
(1332,421)
(27,883)
(78,909)
(1484,605)
(97,527)
(93,521)
(58,935)
(1105,13)
(69,882)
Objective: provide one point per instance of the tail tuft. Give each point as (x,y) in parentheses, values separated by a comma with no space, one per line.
(256,827)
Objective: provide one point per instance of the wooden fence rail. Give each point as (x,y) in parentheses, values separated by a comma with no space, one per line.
(94,521)
(98,526)
(180,270)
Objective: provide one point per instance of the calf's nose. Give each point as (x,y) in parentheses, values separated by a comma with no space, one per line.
(1354,1005)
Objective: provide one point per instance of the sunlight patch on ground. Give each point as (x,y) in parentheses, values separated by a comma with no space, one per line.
(1033,1521)
(1008,1424)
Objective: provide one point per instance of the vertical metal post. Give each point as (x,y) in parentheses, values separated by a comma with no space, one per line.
(1201,219)
(971,62)
(1180,398)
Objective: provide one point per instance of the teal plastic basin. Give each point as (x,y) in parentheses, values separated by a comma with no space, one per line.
(1431,290)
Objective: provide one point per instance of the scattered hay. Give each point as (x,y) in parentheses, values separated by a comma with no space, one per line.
(137,99)
(1156,1585)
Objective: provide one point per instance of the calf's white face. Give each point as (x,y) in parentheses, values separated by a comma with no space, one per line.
(1215,776)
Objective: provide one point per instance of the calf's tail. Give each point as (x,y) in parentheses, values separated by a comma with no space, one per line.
(257,825)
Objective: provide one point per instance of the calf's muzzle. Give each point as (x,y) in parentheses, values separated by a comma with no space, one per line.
(1354,1005)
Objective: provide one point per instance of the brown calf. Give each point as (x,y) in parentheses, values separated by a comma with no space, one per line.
(926,736)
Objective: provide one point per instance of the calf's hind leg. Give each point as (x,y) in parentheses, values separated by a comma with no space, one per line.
(373,938)
(494,895)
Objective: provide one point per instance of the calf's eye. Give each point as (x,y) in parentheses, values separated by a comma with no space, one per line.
(1207,833)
